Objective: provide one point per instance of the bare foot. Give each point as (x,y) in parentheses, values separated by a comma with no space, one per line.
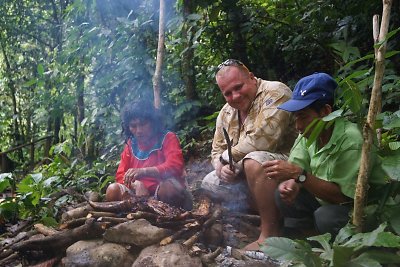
(253,246)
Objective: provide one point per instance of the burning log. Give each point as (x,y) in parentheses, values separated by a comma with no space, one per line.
(203,208)
(61,240)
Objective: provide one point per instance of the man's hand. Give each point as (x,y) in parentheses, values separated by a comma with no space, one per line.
(132,174)
(281,170)
(288,190)
(140,189)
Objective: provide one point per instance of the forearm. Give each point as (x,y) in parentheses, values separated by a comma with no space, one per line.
(324,190)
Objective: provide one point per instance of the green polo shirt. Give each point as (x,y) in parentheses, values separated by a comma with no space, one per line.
(339,160)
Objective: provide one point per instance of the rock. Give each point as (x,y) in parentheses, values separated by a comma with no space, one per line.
(214,235)
(97,254)
(139,232)
(172,255)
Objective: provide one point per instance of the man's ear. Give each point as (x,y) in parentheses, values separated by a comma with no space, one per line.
(326,110)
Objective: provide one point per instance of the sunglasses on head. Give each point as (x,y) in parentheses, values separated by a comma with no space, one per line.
(230,62)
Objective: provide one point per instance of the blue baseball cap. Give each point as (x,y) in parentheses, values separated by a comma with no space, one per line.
(310,89)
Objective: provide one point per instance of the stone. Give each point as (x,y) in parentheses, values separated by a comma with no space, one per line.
(139,232)
(96,253)
(172,255)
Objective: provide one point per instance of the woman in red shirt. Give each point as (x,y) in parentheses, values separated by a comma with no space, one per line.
(152,162)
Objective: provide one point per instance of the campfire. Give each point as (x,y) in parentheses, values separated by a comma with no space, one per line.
(157,224)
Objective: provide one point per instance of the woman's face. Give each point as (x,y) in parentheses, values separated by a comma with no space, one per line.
(141,130)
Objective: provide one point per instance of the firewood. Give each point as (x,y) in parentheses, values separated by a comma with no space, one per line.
(48,263)
(76,213)
(44,229)
(193,239)
(114,206)
(7,260)
(174,224)
(203,208)
(98,214)
(209,258)
(112,220)
(73,223)
(61,240)
(176,235)
(141,215)
(210,221)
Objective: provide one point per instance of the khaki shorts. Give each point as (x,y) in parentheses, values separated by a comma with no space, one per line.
(236,196)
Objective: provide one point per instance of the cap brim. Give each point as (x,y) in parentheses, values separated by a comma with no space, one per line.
(294,105)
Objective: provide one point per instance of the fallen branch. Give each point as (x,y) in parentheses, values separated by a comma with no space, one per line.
(73,223)
(44,229)
(98,214)
(76,213)
(177,234)
(61,240)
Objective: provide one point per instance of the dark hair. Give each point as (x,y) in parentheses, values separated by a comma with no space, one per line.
(142,110)
(320,104)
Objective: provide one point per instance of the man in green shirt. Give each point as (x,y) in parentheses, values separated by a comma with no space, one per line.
(318,182)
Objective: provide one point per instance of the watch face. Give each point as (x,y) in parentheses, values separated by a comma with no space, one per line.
(302,178)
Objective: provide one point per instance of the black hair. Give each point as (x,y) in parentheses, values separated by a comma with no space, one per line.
(319,104)
(142,110)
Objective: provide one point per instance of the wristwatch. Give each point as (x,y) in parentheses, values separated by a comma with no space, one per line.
(301,178)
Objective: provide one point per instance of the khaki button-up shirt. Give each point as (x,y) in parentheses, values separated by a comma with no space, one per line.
(265,128)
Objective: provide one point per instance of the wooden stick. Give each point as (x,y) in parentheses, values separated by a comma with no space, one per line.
(142,215)
(176,235)
(73,223)
(98,214)
(44,229)
(112,220)
(63,239)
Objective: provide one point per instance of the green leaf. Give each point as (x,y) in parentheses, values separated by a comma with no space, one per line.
(288,250)
(341,255)
(383,257)
(333,115)
(31,82)
(315,132)
(323,240)
(49,221)
(390,164)
(5,181)
(40,69)
(394,145)
(395,123)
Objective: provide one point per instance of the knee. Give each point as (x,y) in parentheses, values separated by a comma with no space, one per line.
(113,192)
(252,169)
(168,193)
(331,218)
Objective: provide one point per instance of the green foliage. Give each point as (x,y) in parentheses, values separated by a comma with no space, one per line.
(348,249)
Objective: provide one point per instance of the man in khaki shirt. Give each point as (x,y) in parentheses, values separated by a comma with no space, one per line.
(259,133)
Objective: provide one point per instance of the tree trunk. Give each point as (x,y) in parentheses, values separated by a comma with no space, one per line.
(160,55)
(374,109)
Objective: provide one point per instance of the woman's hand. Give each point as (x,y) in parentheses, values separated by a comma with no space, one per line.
(132,174)
(140,189)
(288,191)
